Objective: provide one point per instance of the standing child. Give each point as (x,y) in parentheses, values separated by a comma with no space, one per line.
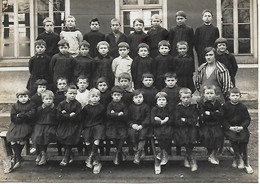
(22,116)
(62,64)
(69,128)
(38,66)
(184,66)
(45,128)
(50,37)
(41,88)
(211,112)
(205,35)
(82,92)
(236,121)
(84,62)
(139,123)
(93,129)
(101,66)
(162,64)
(94,36)
(59,96)
(141,64)
(116,127)
(137,37)
(72,35)
(223,56)
(156,34)
(125,84)
(185,133)
(115,37)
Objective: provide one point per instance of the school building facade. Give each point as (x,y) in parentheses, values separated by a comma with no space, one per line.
(22,22)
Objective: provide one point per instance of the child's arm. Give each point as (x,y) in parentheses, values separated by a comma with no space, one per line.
(134,69)
(76,112)
(31,113)
(52,65)
(31,62)
(147,116)
(247,118)
(16,117)
(196,39)
(193,117)
(79,36)
(234,64)
(61,113)
(155,120)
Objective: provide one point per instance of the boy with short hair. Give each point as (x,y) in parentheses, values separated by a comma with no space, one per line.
(115,37)
(41,88)
(59,94)
(82,92)
(94,36)
(125,84)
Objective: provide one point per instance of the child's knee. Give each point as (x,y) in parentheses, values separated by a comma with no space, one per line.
(96,142)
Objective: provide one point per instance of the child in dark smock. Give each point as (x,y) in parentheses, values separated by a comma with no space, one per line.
(185,132)
(22,118)
(162,120)
(139,123)
(116,127)
(124,80)
(44,131)
(93,117)
(41,88)
(61,85)
(69,127)
(236,121)
(211,133)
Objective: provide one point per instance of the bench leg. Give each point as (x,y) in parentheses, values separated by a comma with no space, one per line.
(157,166)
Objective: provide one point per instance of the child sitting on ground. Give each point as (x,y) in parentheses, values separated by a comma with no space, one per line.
(82,92)
(41,88)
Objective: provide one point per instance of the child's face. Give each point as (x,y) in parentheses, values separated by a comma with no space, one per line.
(182,49)
(123,51)
(47,100)
(180,20)
(103,50)
(210,57)
(156,22)
(164,50)
(222,47)
(41,88)
(143,52)
(185,99)
(49,27)
(63,49)
(138,99)
(23,98)
(207,17)
(138,26)
(209,94)
(161,101)
(170,82)
(70,23)
(40,49)
(102,87)
(61,84)
(115,26)
(124,83)
(116,96)
(82,84)
(71,94)
(148,82)
(83,51)
(94,98)
(234,97)
(94,26)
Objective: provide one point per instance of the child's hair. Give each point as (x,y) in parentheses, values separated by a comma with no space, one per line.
(207,10)
(182,43)
(84,43)
(70,16)
(40,42)
(62,78)
(139,20)
(47,19)
(170,75)
(161,94)
(143,45)
(147,75)
(124,75)
(71,86)
(22,91)
(164,43)
(41,82)
(82,77)
(47,93)
(185,91)
(94,91)
(116,89)
(181,13)
(234,90)
(115,20)
(94,20)
(209,49)
(221,40)
(209,87)
(123,44)
(102,43)
(63,42)
(156,16)
(100,80)
(137,92)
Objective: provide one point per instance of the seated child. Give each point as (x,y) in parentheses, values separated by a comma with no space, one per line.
(139,122)
(82,92)
(184,66)
(41,88)
(185,132)
(124,80)
(162,120)
(236,120)
(93,130)
(69,123)
(211,112)
(22,119)
(141,64)
(116,127)
(44,131)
